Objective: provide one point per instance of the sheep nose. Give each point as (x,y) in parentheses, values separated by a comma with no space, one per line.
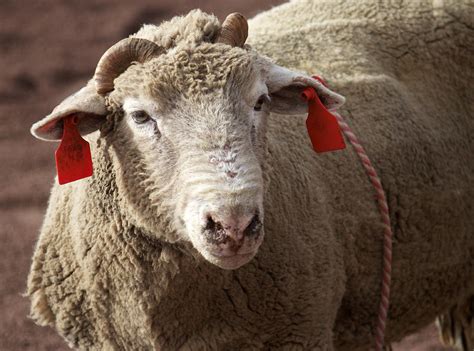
(222,229)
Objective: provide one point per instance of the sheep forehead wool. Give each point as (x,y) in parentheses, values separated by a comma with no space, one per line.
(189,72)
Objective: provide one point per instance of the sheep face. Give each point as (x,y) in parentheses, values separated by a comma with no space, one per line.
(186,134)
(196,122)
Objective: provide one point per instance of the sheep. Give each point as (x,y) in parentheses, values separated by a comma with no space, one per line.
(200,151)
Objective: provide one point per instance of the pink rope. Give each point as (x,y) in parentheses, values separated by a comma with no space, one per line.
(387,237)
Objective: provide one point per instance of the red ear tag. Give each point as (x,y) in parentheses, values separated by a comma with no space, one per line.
(323,129)
(73,156)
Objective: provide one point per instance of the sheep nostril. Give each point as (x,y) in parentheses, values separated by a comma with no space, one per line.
(254,226)
(210,224)
(215,231)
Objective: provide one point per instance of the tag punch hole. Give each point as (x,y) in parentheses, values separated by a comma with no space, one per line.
(308,94)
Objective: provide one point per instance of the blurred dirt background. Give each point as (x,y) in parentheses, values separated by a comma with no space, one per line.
(49,49)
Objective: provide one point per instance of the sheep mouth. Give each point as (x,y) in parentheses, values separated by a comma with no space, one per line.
(230,261)
(231,255)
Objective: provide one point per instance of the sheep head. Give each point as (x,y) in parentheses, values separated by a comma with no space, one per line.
(187,129)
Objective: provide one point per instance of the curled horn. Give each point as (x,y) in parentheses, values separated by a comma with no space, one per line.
(234,30)
(119,57)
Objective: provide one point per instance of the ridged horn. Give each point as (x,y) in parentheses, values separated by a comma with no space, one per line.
(119,57)
(234,30)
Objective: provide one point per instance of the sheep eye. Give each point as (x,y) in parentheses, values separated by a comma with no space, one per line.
(140,117)
(261,100)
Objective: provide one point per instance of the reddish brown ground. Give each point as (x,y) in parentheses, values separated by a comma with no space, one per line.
(48,49)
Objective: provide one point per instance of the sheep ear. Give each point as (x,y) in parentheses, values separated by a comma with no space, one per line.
(86,104)
(285,88)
